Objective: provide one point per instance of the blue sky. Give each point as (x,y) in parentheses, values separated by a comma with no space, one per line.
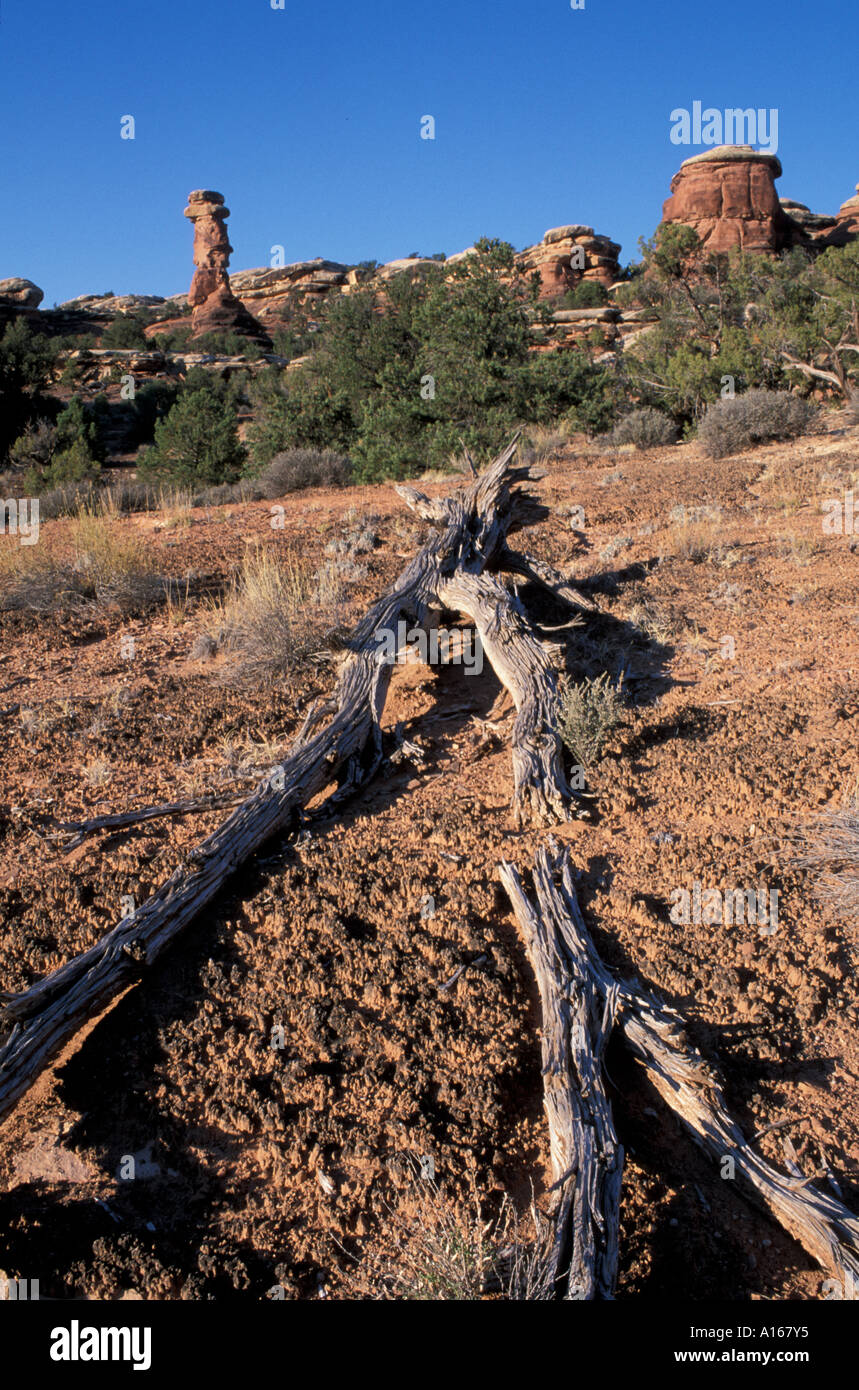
(308,118)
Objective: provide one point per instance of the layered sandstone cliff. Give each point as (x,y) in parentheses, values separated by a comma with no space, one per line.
(728,196)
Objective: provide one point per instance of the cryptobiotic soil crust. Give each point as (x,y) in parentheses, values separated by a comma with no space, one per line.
(736,622)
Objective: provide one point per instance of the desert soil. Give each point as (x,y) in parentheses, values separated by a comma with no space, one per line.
(260,1166)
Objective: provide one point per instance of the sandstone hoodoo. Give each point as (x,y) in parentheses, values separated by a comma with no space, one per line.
(728,196)
(215,308)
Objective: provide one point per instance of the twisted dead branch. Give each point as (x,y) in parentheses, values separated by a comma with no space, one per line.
(348,751)
(821,1224)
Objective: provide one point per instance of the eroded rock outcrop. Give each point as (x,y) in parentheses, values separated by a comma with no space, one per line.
(22,294)
(569,254)
(847,219)
(728,196)
(215,308)
(114,303)
(271,293)
(821,230)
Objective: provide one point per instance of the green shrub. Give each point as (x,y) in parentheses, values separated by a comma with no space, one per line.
(646,428)
(738,423)
(69,451)
(74,464)
(27,361)
(300,413)
(588,294)
(126,331)
(226,345)
(197,442)
(173,340)
(152,402)
(590,712)
(444,356)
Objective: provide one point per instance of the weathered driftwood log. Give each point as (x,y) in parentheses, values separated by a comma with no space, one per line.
(821,1224)
(521,664)
(587,1160)
(348,750)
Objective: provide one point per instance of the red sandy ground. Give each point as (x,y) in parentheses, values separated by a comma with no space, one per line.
(719,759)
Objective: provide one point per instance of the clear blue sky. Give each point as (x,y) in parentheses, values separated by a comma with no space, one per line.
(308,120)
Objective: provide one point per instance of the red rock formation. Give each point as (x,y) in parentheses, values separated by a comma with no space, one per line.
(215,307)
(273,294)
(728,196)
(847,219)
(821,230)
(567,255)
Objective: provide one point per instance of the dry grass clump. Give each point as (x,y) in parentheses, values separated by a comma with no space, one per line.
(107,567)
(98,772)
(800,549)
(117,567)
(652,620)
(543,443)
(444,1251)
(734,424)
(590,712)
(696,532)
(274,615)
(831,844)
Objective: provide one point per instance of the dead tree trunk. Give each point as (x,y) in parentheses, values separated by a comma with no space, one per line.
(823,1226)
(587,1160)
(475,524)
(522,666)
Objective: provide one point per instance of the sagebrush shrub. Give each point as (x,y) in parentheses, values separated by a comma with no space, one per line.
(646,428)
(589,714)
(295,469)
(758,416)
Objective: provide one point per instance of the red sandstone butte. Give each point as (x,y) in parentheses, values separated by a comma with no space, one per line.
(215,307)
(728,196)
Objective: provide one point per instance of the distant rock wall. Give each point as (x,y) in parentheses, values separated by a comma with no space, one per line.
(727,194)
